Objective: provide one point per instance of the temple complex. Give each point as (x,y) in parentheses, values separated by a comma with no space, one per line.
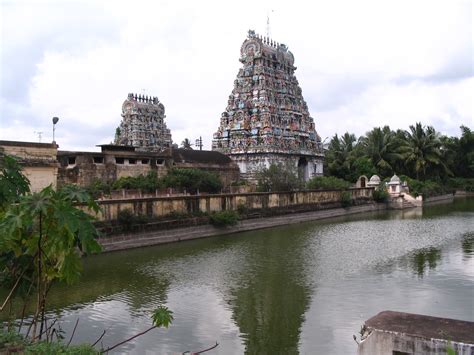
(267,120)
(143,124)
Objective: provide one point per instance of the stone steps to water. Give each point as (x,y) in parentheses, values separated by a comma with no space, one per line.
(408,204)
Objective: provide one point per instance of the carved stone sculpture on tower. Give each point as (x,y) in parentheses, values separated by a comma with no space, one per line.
(267,120)
(143,124)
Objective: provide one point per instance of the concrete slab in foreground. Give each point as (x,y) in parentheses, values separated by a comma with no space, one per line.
(405,333)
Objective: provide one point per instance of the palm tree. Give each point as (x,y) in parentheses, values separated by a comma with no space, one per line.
(186,144)
(421,150)
(380,145)
(339,155)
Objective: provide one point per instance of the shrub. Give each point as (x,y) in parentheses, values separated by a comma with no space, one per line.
(149,182)
(239,183)
(278,177)
(193,180)
(380,195)
(465,184)
(426,188)
(126,218)
(346,199)
(177,215)
(97,188)
(14,342)
(43,347)
(224,218)
(242,209)
(327,182)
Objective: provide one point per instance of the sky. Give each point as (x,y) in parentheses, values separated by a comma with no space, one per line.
(360,64)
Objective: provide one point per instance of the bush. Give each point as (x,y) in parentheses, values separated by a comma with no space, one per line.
(239,183)
(149,182)
(346,199)
(15,342)
(426,188)
(193,180)
(43,347)
(465,184)
(224,218)
(380,195)
(127,218)
(278,177)
(327,182)
(242,209)
(98,188)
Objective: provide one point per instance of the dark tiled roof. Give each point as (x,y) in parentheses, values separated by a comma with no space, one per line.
(199,156)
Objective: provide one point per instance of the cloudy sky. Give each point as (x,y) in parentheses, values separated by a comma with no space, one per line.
(360,63)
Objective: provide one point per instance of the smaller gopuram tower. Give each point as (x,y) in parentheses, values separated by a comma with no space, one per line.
(267,120)
(143,124)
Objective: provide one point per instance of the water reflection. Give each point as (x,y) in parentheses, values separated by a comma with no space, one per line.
(425,259)
(272,293)
(303,288)
(468,244)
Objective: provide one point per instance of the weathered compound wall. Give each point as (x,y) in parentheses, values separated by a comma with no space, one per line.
(162,206)
(38,161)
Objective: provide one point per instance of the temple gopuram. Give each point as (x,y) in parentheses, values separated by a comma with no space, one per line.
(267,120)
(143,124)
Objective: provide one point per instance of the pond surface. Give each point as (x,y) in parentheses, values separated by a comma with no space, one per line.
(303,288)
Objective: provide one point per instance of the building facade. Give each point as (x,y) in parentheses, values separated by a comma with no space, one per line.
(115,162)
(143,124)
(267,119)
(38,161)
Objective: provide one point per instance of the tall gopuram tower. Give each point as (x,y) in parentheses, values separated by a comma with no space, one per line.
(267,120)
(143,124)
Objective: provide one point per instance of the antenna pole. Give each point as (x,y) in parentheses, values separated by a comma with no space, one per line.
(199,143)
(39,134)
(268,23)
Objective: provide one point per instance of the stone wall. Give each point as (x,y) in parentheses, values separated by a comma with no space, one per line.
(404,333)
(38,161)
(83,168)
(291,201)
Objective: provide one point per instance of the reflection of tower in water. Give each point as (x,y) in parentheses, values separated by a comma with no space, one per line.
(272,293)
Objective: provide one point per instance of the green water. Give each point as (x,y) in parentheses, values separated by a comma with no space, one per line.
(303,288)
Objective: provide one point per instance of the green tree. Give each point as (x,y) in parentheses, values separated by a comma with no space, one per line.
(193,180)
(13,183)
(42,238)
(186,144)
(340,155)
(381,147)
(278,177)
(421,150)
(465,161)
(327,183)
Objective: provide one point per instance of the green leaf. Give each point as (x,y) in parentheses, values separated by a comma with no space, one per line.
(162,317)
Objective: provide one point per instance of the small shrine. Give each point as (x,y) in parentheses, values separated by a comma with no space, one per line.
(395,186)
(143,124)
(267,119)
(374,181)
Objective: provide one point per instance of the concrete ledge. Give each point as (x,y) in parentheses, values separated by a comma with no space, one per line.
(404,333)
(463,193)
(440,198)
(136,240)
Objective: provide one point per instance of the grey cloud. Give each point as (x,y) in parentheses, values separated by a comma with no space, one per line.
(457,67)
(334,90)
(77,26)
